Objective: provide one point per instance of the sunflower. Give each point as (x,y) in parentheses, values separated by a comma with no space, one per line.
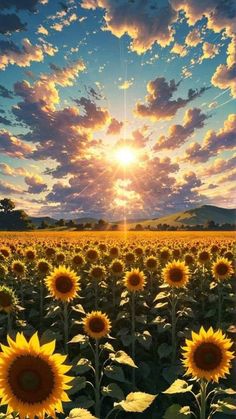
(176,274)
(96,324)
(30,254)
(114,252)
(151,263)
(97,272)
(3,271)
(63,283)
(78,260)
(32,378)
(18,268)
(8,299)
(92,255)
(203,257)
(135,280)
(207,355)
(50,252)
(129,258)
(164,254)
(43,266)
(117,267)
(222,269)
(189,259)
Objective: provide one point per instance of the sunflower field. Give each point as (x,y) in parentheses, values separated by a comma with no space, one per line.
(102,325)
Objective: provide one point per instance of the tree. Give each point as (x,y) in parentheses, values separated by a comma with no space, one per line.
(6,205)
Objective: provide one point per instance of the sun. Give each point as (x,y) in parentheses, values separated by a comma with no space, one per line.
(125,156)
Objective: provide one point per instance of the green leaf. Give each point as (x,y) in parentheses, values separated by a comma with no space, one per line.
(78,384)
(123,358)
(160,296)
(114,372)
(145,339)
(83,366)
(178,386)
(175,411)
(227,406)
(79,413)
(113,390)
(79,339)
(164,350)
(136,402)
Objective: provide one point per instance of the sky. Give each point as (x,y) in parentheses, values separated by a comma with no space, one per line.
(117,107)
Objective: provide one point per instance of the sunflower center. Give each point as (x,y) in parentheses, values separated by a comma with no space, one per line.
(222,269)
(96,325)
(5,299)
(64,284)
(134,280)
(176,274)
(31,379)
(207,356)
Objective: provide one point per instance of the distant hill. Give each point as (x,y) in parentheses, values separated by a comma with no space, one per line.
(38,220)
(193,217)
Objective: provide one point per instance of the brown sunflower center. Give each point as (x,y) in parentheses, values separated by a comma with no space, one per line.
(31,379)
(134,279)
(97,272)
(204,256)
(117,267)
(176,274)
(64,284)
(5,299)
(222,268)
(96,325)
(207,356)
(151,263)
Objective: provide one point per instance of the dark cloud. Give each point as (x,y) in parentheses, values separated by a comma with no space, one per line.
(36,184)
(6,93)
(114,127)
(159,103)
(146,22)
(30,5)
(178,134)
(5,121)
(13,146)
(11,23)
(214,142)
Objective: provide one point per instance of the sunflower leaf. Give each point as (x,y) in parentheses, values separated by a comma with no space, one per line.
(79,339)
(136,402)
(113,390)
(178,386)
(123,358)
(79,413)
(177,411)
(114,372)
(227,406)
(83,366)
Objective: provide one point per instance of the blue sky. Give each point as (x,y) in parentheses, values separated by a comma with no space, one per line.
(85,83)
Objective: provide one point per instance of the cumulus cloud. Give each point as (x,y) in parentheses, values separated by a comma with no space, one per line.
(220,14)
(10,53)
(214,142)
(219,166)
(178,134)
(7,170)
(9,189)
(225,74)
(179,49)
(159,103)
(126,84)
(229,177)
(13,146)
(209,51)
(114,127)
(193,38)
(145,22)
(58,26)
(42,30)
(36,184)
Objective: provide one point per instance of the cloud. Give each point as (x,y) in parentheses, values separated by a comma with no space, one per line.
(44,90)
(220,14)
(214,142)
(126,84)
(13,146)
(36,184)
(177,134)
(10,53)
(230,177)
(209,51)
(7,170)
(58,26)
(10,23)
(158,101)
(42,30)
(225,74)
(29,5)
(193,38)
(5,121)
(114,127)
(9,189)
(145,22)
(6,93)
(179,49)
(219,166)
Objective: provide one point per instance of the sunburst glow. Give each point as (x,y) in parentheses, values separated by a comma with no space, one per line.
(125,156)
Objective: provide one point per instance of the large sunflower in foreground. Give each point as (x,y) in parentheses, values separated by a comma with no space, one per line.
(96,324)
(176,274)
(32,378)
(135,280)
(63,283)
(222,269)
(207,355)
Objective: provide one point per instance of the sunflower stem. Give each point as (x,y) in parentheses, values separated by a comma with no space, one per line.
(9,323)
(203,399)
(66,326)
(219,306)
(97,379)
(173,326)
(96,294)
(41,302)
(133,335)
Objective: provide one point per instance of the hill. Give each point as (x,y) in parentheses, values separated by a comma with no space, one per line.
(37,221)
(193,217)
